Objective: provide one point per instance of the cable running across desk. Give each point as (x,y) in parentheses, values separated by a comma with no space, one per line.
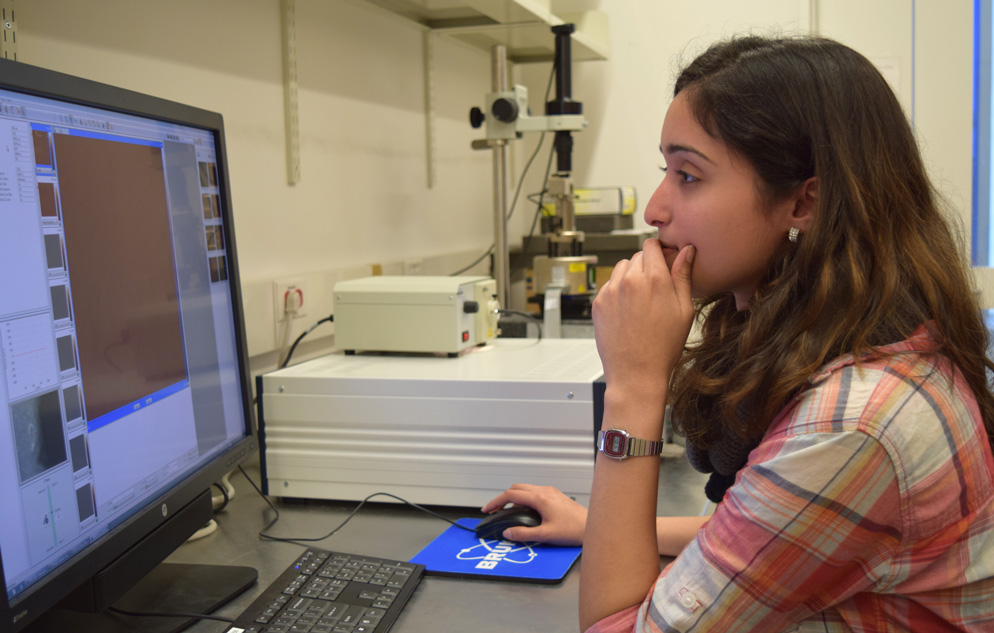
(304,540)
(332,592)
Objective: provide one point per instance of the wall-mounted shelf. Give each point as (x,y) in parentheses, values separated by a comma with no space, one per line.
(520,25)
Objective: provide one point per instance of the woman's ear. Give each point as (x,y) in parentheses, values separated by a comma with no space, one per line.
(805,203)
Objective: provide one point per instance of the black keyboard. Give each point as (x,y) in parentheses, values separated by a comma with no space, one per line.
(332,592)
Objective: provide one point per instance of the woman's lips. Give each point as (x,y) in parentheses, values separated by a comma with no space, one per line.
(669,253)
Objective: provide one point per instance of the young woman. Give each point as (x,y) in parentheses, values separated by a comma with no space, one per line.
(838,392)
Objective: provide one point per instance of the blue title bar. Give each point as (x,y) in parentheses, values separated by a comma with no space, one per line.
(137,405)
(103,136)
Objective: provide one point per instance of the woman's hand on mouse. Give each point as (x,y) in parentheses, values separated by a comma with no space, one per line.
(563,519)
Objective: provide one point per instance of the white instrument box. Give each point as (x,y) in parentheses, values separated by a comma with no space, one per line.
(415,314)
(432,429)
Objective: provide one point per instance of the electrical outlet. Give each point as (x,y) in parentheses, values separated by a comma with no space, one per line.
(289,290)
(412,266)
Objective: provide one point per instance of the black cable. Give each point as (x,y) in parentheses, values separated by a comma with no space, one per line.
(224,493)
(289,355)
(264,498)
(538,323)
(538,210)
(475,262)
(514,202)
(524,172)
(156,614)
(303,540)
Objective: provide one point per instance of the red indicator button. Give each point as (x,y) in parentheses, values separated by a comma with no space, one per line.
(465,336)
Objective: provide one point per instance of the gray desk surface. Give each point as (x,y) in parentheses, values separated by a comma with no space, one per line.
(399,532)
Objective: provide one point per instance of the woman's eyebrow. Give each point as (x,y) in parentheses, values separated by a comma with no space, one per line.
(674,148)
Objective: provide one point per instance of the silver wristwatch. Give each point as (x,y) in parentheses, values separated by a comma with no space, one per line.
(619,444)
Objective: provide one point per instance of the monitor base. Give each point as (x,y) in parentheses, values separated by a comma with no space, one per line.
(169,588)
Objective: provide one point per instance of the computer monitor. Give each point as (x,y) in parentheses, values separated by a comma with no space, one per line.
(124,381)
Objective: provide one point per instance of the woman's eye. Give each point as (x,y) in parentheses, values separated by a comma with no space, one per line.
(685,178)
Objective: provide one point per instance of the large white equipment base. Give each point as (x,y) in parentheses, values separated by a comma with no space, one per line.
(433,429)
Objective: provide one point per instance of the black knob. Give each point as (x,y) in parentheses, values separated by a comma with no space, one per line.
(476,117)
(471,307)
(505,110)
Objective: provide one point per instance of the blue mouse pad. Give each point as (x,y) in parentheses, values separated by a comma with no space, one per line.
(460,553)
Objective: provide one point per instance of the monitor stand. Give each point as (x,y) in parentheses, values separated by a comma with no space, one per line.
(169,588)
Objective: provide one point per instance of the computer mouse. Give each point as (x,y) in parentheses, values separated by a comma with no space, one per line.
(493,525)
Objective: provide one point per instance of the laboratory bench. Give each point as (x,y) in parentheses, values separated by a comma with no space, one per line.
(391,530)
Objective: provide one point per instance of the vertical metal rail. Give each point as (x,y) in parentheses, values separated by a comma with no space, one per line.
(8,43)
(291,106)
(428,39)
(502,269)
(813,23)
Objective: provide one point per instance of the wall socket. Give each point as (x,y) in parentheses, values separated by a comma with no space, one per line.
(284,290)
(413,266)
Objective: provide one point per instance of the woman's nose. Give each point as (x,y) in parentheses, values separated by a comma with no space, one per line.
(657,210)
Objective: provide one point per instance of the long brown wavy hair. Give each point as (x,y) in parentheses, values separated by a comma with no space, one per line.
(879,261)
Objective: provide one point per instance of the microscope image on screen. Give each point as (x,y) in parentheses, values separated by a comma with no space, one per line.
(54,509)
(39,436)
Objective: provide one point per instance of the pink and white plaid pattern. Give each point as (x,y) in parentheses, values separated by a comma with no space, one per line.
(868,507)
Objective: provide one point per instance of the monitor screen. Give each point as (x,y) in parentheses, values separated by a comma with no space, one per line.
(123,372)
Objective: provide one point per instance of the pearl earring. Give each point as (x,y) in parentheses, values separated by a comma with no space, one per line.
(793,233)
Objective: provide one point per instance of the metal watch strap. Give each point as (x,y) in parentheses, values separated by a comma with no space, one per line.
(638,447)
(619,444)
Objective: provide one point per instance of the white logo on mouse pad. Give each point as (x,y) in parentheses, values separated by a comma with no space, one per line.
(497,551)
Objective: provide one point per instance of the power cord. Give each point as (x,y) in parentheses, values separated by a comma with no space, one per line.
(219,503)
(304,540)
(510,212)
(328,319)
(290,309)
(227,493)
(475,262)
(207,530)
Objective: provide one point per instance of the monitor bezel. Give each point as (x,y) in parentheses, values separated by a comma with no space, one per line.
(48,592)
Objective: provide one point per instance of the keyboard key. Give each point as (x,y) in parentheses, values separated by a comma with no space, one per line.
(352,615)
(335,611)
(369,621)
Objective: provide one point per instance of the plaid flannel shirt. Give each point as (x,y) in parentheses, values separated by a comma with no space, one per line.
(868,506)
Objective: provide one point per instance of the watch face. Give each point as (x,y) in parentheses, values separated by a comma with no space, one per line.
(615,443)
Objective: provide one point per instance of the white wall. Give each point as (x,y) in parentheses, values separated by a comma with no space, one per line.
(944,104)
(363,197)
